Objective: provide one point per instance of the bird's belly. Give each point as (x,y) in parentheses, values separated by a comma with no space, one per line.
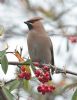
(39,54)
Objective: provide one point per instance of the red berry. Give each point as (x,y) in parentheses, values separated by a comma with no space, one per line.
(40,78)
(37,73)
(22,68)
(46,77)
(39,88)
(46,88)
(49,89)
(43,89)
(36,64)
(46,68)
(47,74)
(21,75)
(27,75)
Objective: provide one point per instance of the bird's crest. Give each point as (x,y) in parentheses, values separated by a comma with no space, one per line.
(34,19)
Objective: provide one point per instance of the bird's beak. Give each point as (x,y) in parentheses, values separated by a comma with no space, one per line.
(26,22)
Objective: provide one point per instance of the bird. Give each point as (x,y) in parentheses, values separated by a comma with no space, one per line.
(40,46)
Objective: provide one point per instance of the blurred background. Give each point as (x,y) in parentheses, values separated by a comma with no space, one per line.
(59,20)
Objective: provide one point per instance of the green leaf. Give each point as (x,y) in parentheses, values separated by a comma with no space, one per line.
(26,85)
(7,94)
(74,97)
(29,62)
(12,85)
(4,63)
(2,53)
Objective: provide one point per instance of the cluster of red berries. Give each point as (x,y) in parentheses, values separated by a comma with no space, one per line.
(44,88)
(73,39)
(43,75)
(24,74)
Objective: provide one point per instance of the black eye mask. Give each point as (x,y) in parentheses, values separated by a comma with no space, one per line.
(29,25)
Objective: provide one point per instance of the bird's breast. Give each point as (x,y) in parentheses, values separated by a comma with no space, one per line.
(39,50)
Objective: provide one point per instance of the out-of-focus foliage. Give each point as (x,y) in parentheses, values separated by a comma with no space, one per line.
(6,92)
(74,97)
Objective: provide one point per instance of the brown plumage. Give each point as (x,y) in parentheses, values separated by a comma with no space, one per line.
(39,44)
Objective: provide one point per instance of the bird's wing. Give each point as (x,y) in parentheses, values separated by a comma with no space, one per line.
(52,53)
(52,56)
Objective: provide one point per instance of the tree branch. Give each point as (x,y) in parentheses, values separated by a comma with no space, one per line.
(59,70)
(63,35)
(56,69)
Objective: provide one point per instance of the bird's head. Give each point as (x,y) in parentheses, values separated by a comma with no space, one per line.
(33,23)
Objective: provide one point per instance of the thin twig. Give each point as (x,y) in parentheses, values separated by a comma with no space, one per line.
(66,11)
(62,35)
(9,81)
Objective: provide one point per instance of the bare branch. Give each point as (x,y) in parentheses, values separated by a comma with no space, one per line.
(66,11)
